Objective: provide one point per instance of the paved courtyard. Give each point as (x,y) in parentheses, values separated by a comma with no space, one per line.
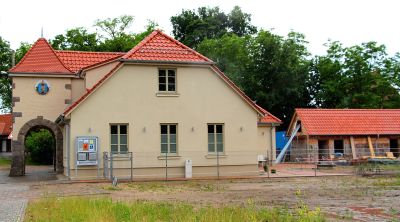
(15,191)
(13,202)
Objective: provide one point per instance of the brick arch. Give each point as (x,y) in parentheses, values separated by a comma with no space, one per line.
(18,146)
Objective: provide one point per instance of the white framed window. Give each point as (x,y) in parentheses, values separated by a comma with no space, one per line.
(167,80)
(119,138)
(215,138)
(169,138)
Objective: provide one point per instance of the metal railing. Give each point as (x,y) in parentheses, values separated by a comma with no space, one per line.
(109,164)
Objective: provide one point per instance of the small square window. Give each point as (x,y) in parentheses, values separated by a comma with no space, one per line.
(166,80)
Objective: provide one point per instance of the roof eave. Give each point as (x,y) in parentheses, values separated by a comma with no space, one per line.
(57,74)
(137,61)
(355,134)
(268,124)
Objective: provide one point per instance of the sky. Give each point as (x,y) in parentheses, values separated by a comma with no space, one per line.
(348,21)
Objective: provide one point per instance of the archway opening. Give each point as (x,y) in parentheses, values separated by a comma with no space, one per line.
(40,147)
(19,149)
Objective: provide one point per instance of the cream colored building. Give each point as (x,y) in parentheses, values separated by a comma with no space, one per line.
(162,102)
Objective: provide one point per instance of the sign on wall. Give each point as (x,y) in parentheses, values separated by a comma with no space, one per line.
(42,87)
(86,150)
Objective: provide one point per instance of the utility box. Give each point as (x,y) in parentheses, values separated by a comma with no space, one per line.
(261,158)
(188,169)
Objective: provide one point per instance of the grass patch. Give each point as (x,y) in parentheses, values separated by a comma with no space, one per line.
(5,161)
(104,209)
(387,182)
(168,187)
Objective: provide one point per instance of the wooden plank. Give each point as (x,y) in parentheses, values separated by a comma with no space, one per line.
(353,147)
(371,148)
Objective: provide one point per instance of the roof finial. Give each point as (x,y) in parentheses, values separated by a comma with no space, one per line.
(41,33)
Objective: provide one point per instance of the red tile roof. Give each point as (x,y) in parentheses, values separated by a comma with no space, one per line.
(41,58)
(350,121)
(161,47)
(76,60)
(6,124)
(269,118)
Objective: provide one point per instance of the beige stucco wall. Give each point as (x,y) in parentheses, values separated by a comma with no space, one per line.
(77,88)
(32,105)
(92,76)
(129,96)
(265,134)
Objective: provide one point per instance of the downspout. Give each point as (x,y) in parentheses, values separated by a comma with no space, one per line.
(271,150)
(67,135)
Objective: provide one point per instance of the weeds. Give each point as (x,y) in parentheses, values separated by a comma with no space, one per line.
(104,209)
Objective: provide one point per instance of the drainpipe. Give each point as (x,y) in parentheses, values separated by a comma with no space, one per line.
(67,135)
(271,153)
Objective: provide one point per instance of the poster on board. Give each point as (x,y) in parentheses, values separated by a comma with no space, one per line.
(86,151)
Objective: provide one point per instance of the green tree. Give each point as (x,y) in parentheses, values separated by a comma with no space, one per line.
(192,27)
(21,51)
(360,76)
(76,39)
(114,27)
(115,35)
(271,69)
(40,146)
(5,82)
(230,53)
(278,73)
(124,42)
(239,22)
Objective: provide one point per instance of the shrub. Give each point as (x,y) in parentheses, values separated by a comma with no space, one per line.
(40,145)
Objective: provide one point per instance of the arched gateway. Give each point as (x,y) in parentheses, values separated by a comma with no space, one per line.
(18,146)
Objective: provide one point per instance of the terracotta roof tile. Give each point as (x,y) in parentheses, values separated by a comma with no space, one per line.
(77,60)
(268,117)
(350,121)
(41,58)
(161,47)
(6,124)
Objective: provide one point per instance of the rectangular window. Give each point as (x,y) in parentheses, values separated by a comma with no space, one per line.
(168,138)
(338,146)
(119,138)
(215,138)
(166,80)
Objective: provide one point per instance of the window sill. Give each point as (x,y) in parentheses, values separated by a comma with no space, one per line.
(167,94)
(215,156)
(169,157)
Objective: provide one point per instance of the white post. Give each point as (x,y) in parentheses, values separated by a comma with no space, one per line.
(4,145)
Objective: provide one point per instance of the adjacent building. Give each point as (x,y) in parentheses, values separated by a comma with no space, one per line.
(344,134)
(161,101)
(5,132)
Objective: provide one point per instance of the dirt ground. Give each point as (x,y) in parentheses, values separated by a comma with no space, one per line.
(341,198)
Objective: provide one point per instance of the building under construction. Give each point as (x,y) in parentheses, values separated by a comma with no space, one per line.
(343,135)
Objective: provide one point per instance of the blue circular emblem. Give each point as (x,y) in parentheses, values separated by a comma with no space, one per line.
(42,87)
